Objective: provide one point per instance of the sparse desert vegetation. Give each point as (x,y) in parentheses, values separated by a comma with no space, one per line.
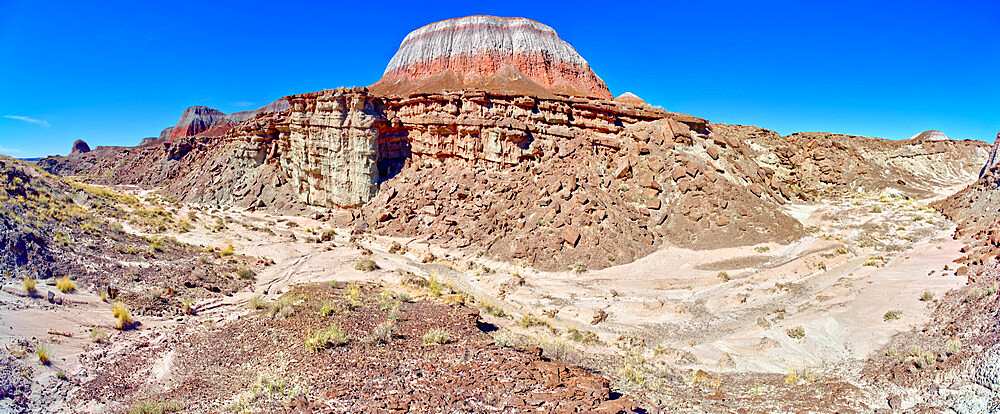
(65,285)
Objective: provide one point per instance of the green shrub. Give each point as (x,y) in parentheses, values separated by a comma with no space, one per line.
(256,302)
(329,308)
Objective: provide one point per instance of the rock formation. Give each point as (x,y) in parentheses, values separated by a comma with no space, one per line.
(932,135)
(513,55)
(993,158)
(631,99)
(80,147)
(209,122)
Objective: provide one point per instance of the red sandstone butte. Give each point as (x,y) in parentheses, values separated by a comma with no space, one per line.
(511,54)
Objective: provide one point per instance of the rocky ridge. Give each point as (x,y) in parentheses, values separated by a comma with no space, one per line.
(209,122)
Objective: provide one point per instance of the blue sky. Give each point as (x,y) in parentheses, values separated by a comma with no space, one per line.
(112,72)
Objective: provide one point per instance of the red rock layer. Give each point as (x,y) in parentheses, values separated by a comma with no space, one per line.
(479,70)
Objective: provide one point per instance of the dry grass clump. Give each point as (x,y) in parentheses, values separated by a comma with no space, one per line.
(507,339)
(256,302)
(29,284)
(954,346)
(974,294)
(382,333)
(65,285)
(44,355)
(927,296)
(120,311)
(228,251)
(437,336)
(325,338)
(156,407)
(892,315)
(796,332)
(724,276)
(98,335)
(366,264)
(329,308)
(585,337)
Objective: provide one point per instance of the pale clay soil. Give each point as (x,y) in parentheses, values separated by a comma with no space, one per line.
(674,299)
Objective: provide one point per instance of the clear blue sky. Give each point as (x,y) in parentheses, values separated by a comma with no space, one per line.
(112,73)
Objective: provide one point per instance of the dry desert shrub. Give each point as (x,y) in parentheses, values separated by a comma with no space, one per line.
(437,336)
(796,332)
(324,338)
(65,285)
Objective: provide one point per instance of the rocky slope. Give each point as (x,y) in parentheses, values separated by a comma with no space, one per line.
(51,228)
(515,55)
(262,362)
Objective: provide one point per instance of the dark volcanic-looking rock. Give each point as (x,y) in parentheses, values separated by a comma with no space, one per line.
(503,54)
(80,147)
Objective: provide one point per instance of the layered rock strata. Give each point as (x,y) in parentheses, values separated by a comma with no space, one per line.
(489,52)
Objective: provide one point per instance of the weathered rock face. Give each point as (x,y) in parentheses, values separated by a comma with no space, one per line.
(80,147)
(993,158)
(513,55)
(819,164)
(331,144)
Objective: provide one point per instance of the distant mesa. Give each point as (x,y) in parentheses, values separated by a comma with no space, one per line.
(631,99)
(503,54)
(80,147)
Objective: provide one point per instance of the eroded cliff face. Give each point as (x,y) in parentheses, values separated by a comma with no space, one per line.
(509,54)
(554,182)
(330,146)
